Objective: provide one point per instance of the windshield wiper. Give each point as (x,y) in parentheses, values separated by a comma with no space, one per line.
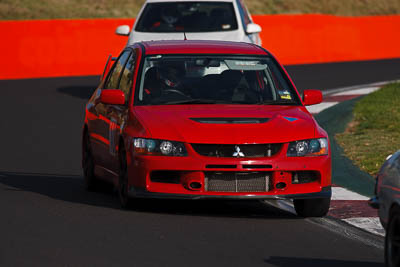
(195,101)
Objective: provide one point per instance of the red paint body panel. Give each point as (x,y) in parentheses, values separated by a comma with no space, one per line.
(202,47)
(114,125)
(174,123)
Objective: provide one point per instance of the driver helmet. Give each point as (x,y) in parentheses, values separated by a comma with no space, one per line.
(169,15)
(171,76)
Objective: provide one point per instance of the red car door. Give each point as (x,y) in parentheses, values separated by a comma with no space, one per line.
(118,114)
(104,127)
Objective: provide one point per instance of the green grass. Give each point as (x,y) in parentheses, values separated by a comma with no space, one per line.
(52,9)
(374,132)
(68,9)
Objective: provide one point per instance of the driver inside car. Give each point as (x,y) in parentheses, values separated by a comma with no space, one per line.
(167,21)
(161,81)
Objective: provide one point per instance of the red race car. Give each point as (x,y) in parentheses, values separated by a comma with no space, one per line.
(205,119)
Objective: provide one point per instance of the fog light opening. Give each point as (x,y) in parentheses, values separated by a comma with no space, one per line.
(295,179)
(303,177)
(280,185)
(195,186)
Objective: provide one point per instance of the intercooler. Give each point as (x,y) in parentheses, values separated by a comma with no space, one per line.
(237,181)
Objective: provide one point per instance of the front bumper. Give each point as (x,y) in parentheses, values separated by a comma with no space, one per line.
(325,192)
(279,169)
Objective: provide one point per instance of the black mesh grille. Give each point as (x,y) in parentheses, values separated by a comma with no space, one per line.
(231,120)
(237,181)
(228,151)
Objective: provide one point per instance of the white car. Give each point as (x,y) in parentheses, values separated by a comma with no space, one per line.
(227,20)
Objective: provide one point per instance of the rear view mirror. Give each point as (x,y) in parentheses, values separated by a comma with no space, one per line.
(112,97)
(206,62)
(312,97)
(253,28)
(123,30)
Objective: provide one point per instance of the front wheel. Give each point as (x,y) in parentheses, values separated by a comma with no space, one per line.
(392,239)
(314,207)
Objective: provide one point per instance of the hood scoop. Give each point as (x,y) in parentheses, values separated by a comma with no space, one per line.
(230,120)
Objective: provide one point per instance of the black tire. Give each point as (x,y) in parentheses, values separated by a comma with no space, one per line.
(90,181)
(124,199)
(314,207)
(392,239)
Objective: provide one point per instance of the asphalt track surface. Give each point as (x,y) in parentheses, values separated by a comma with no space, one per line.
(47,219)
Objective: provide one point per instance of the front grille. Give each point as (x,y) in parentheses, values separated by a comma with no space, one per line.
(220,166)
(237,181)
(231,151)
(257,166)
(231,120)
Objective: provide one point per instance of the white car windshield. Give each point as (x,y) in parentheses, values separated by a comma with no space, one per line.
(187,17)
(193,79)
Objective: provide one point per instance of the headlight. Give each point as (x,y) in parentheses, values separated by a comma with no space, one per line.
(155,147)
(311,147)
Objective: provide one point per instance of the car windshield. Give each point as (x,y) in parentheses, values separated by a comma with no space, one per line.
(175,80)
(187,17)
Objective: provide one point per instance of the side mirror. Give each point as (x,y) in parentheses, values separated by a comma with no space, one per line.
(374,202)
(253,28)
(123,30)
(312,97)
(112,97)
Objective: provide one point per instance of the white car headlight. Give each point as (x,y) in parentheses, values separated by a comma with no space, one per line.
(144,146)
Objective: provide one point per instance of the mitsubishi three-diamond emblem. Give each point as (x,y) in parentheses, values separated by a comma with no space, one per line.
(238,153)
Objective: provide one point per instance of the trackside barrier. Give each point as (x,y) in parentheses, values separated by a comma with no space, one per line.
(304,39)
(53,48)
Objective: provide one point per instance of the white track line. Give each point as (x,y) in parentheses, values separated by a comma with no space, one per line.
(372,225)
(314,109)
(286,205)
(340,193)
(361,91)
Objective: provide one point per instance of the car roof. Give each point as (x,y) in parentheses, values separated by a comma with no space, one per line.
(201,47)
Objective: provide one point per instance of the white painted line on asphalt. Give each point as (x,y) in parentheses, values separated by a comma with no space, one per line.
(361,91)
(369,224)
(372,225)
(355,87)
(314,109)
(340,193)
(346,229)
(285,205)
